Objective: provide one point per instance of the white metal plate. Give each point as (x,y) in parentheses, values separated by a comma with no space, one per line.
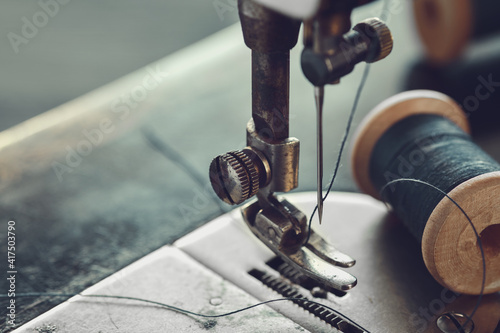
(169,276)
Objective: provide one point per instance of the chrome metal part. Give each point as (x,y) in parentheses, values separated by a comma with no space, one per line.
(279,223)
(283,228)
(283,158)
(327,252)
(237,176)
(317,310)
(314,266)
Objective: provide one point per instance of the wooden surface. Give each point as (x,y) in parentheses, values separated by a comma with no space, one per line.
(445,27)
(449,245)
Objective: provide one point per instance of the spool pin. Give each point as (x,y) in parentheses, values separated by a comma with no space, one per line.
(449,245)
(446,27)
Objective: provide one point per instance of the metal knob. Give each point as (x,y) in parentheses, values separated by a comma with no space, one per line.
(370,41)
(380,38)
(237,176)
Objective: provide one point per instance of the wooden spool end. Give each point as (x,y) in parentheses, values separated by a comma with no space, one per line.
(445,27)
(449,245)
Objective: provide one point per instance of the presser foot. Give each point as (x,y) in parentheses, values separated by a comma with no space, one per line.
(283,228)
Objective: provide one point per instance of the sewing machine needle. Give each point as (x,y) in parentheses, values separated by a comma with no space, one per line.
(319,97)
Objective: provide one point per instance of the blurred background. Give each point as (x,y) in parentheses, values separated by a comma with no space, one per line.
(52,52)
(86,44)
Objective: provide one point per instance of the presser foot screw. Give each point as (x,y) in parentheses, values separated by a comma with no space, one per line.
(237,176)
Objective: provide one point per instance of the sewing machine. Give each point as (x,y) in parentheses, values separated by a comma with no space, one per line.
(222,265)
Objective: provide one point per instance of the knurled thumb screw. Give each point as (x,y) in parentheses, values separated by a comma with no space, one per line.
(236,176)
(369,41)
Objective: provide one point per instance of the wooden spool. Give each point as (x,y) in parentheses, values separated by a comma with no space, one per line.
(449,247)
(446,27)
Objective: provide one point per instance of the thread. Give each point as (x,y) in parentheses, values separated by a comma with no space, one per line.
(383,16)
(343,142)
(188,312)
(172,155)
(421,136)
(359,90)
(429,148)
(478,239)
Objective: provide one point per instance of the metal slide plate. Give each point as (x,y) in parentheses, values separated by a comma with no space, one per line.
(170,276)
(395,293)
(222,267)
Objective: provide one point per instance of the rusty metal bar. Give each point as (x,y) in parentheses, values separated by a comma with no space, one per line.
(270,94)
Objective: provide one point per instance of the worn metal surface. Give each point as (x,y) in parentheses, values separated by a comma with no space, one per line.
(395,292)
(270,36)
(283,157)
(168,276)
(235,176)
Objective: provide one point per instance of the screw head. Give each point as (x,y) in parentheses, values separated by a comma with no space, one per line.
(234,177)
